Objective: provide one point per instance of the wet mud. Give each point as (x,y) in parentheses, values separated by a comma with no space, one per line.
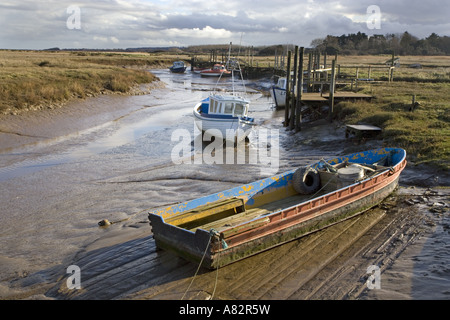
(61,176)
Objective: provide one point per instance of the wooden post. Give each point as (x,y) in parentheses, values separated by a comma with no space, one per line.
(294,98)
(276,60)
(332,85)
(413,104)
(298,114)
(309,71)
(288,90)
(369,72)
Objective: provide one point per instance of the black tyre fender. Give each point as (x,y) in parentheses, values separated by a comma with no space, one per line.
(306,180)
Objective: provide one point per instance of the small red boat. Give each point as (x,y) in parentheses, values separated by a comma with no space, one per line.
(216,71)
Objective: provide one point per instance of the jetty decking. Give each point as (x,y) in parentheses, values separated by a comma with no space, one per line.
(324,97)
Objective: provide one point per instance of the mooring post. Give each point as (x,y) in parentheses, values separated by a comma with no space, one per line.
(298,113)
(309,71)
(288,89)
(294,97)
(332,85)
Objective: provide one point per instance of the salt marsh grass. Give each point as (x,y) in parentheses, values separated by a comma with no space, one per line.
(37,79)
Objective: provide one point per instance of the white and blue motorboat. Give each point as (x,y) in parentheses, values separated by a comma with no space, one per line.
(178,67)
(224,116)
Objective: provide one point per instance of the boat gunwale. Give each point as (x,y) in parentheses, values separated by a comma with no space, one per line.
(318,199)
(308,214)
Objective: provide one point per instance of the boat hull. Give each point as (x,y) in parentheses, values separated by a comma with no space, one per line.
(219,247)
(178,69)
(279,96)
(214,74)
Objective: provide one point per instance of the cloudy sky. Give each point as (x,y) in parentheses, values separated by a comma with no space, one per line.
(34,24)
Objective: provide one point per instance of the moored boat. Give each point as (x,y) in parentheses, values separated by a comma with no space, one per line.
(278,92)
(218,70)
(178,67)
(197,70)
(231,225)
(224,116)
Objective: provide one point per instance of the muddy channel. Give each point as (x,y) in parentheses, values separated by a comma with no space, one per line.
(111,157)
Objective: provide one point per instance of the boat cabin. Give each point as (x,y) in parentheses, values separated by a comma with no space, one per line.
(178,64)
(281,83)
(225,105)
(219,67)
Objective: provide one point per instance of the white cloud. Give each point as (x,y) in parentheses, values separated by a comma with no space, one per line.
(203,33)
(42,24)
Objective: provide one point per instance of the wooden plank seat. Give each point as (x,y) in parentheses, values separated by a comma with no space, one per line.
(207,213)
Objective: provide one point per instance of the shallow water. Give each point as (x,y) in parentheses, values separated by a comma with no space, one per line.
(55,191)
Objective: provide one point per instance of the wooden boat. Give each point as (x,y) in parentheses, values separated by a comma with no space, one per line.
(227,226)
(226,114)
(178,67)
(218,70)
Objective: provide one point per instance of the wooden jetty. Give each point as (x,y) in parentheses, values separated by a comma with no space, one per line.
(317,78)
(324,97)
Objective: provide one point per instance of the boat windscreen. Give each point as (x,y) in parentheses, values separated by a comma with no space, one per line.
(239,110)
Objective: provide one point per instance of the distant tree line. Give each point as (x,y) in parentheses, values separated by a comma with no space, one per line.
(402,44)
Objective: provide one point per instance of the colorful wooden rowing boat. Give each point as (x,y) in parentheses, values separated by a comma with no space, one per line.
(227,226)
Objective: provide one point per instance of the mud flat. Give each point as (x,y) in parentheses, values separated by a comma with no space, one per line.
(406,237)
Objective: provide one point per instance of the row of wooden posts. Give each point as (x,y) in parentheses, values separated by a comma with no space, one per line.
(293,116)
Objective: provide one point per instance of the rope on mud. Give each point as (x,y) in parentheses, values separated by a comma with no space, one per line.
(200,264)
(106,222)
(212,233)
(224,246)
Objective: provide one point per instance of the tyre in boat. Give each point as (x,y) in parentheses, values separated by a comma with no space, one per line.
(306,180)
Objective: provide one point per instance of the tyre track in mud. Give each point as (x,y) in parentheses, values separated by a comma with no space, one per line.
(345,277)
(302,255)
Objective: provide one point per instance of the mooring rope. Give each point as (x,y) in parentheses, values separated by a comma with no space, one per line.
(200,264)
(212,233)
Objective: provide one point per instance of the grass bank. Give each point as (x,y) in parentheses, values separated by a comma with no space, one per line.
(424,131)
(37,79)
